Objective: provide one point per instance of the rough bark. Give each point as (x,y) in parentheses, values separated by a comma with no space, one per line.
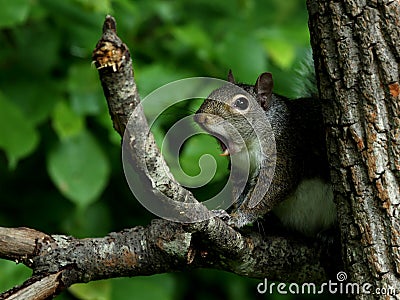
(113,61)
(59,261)
(356,47)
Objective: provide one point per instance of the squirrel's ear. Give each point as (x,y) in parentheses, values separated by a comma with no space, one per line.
(263,89)
(231,79)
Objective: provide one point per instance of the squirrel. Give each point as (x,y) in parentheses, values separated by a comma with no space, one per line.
(300,193)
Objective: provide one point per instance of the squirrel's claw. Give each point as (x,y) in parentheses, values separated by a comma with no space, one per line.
(222,214)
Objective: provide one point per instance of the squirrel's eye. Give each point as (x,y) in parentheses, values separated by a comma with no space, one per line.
(241,103)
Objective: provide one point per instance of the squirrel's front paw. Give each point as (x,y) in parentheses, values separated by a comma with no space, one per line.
(231,220)
(236,220)
(222,214)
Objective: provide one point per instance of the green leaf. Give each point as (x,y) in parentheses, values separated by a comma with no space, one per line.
(85,90)
(193,36)
(95,290)
(105,121)
(154,76)
(18,138)
(192,158)
(65,121)
(282,43)
(33,100)
(160,287)
(13,12)
(282,52)
(12,274)
(244,55)
(37,47)
(79,168)
(97,5)
(94,221)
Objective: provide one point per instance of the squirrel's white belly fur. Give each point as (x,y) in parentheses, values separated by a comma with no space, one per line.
(310,209)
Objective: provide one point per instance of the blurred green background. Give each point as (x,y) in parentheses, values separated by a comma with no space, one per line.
(60,160)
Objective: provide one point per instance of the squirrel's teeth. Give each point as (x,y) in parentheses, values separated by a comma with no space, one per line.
(225,153)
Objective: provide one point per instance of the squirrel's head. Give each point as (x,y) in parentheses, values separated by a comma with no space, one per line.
(231,111)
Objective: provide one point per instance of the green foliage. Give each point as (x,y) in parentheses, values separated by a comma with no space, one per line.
(66,122)
(60,160)
(18,137)
(79,168)
(146,288)
(13,12)
(194,152)
(15,274)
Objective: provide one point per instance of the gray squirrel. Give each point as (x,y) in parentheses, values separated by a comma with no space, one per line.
(300,193)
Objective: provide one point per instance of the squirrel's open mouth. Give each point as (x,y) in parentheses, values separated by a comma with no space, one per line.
(224,149)
(222,144)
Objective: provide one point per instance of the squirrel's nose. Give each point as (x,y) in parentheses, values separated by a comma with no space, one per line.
(202,118)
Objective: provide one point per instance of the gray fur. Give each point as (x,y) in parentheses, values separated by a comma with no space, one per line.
(300,155)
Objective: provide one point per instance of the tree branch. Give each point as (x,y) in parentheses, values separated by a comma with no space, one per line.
(59,261)
(19,243)
(112,59)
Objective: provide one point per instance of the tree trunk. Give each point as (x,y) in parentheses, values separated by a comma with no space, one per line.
(356,45)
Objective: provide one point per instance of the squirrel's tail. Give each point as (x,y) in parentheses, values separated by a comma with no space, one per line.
(305,83)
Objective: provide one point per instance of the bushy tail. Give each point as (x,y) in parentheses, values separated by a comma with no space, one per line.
(305,83)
